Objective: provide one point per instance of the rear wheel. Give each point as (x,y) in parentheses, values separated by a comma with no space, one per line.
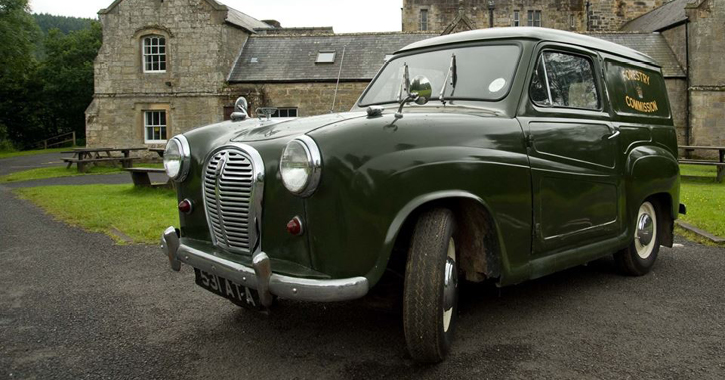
(639,257)
(430,296)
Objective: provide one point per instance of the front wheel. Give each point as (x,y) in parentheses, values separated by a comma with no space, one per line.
(639,257)
(430,296)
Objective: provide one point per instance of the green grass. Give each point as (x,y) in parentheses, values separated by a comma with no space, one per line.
(704,198)
(31,152)
(61,171)
(140,213)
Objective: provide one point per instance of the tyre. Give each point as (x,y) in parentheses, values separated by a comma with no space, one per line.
(639,257)
(430,294)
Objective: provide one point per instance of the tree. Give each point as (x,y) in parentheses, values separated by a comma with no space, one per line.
(18,32)
(67,76)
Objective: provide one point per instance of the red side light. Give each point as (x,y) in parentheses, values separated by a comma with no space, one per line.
(185,206)
(294,226)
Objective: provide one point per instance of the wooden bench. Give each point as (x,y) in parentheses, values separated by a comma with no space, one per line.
(125,162)
(719,164)
(141,177)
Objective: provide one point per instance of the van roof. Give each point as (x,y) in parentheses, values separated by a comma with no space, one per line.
(533,33)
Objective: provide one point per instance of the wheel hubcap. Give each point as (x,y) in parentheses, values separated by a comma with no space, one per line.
(644,237)
(450,285)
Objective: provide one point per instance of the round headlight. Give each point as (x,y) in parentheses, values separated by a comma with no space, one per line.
(176,158)
(300,166)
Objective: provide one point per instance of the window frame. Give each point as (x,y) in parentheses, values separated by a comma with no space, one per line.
(146,126)
(287,110)
(516,18)
(318,60)
(159,46)
(595,77)
(531,18)
(423,27)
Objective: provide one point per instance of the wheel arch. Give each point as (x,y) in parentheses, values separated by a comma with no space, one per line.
(481,249)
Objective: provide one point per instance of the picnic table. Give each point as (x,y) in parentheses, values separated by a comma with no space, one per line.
(159,151)
(720,163)
(84,156)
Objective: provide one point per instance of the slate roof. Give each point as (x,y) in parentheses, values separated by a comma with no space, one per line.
(651,44)
(292,58)
(245,21)
(288,58)
(661,18)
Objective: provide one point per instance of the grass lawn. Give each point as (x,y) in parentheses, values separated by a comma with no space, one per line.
(61,171)
(32,152)
(140,213)
(704,198)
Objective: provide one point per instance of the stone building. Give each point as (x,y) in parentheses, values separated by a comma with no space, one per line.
(166,67)
(572,15)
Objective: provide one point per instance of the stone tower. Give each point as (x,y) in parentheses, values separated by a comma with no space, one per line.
(604,15)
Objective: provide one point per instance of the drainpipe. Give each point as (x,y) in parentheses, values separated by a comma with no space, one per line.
(688,100)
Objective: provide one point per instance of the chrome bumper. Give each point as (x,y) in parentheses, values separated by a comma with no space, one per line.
(260,276)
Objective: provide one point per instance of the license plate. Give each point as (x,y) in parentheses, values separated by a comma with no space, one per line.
(240,295)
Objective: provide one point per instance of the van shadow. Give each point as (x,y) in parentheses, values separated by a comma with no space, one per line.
(364,338)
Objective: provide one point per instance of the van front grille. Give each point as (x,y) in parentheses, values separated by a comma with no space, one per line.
(229,179)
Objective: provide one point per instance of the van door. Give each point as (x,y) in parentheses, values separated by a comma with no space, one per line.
(572,147)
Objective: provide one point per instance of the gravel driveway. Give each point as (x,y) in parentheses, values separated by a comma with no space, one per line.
(74,305)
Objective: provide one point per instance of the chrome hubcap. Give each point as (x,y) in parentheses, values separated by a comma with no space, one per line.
(644,237)
(645,229)
(450,285)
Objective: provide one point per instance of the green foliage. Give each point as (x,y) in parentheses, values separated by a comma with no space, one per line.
(47,98)
(65,24)
(7,153)
(140,213)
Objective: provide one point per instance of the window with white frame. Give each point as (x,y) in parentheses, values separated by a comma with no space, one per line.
(534,18)
(154,54)
(423,22)
(285,112)
(517,20)
(155,126)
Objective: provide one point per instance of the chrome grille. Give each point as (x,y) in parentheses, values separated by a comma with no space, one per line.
(229,187)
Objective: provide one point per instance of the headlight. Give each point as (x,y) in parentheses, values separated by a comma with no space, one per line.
(301,166)
(177,158)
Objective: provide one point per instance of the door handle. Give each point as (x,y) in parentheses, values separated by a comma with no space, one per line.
(615,132)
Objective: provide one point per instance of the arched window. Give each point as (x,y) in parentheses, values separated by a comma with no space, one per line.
(154,54)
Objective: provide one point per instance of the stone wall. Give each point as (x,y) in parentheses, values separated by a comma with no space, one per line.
(200,51)
(309,98)
(707,73)
(606,15)
(677,39)
(677,93)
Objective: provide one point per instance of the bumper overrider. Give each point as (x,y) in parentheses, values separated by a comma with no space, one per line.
(260,276)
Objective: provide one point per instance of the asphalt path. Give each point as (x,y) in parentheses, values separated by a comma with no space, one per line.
(19,163)
(74,305)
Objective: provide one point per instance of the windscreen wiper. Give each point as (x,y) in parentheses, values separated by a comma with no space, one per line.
(453,76)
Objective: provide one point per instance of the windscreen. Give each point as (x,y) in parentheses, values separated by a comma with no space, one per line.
(476,73)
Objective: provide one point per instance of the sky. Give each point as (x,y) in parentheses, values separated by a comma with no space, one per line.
(345,16)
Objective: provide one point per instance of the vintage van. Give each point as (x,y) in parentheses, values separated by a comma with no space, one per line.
(496,155)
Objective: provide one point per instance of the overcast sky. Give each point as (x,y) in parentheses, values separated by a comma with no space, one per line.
(346,16)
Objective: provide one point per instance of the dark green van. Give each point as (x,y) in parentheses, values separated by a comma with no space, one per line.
(498,155)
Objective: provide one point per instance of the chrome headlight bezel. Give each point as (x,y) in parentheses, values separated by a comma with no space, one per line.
(182,145)
(313,162)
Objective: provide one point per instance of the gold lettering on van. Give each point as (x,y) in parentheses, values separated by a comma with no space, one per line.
(647,107)
(634,75)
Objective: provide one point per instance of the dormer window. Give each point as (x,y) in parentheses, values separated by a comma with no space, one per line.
(325,57)
(154,54)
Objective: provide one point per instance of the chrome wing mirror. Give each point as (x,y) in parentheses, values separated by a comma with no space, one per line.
(240,109)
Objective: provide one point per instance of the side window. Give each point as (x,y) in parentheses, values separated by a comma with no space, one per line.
(564,80)
(154,54)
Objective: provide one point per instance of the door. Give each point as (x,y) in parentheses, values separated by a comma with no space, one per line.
(572,149)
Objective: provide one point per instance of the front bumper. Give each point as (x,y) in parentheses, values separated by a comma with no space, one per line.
(260,276)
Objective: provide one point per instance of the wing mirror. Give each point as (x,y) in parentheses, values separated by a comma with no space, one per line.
(421,87)
(240,109)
